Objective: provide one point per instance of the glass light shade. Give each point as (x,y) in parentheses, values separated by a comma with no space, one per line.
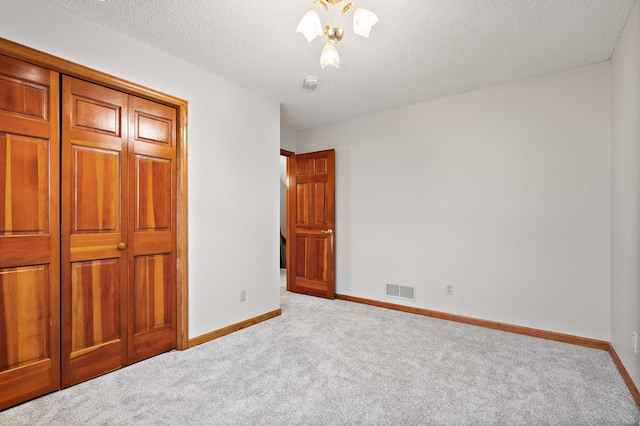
(363,20)
(329,55)
(310,25)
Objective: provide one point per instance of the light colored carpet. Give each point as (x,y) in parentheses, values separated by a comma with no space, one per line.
(340,363)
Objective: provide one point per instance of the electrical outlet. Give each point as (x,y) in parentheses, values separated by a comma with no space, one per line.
(634,342)
(243,295)
(449,291)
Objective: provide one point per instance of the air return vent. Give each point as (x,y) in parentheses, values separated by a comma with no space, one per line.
(400,291)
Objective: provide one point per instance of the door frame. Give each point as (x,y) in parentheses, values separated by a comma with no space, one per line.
(63,66)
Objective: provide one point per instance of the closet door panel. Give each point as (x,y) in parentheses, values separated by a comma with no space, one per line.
(24,186)
(94,203)
(94,295)
(153,194)
(152,316)
(23,322)
(95,290)
(96,196)
(153,301)
(29,232)
(26,98)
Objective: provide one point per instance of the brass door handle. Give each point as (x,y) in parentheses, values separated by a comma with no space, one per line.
(122,246)
(328,232)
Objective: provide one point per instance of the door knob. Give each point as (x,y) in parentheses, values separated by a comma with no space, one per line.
(328,232)
(122,246)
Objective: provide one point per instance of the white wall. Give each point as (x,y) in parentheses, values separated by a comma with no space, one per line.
(503,193)
(625,193)
(234,138)
(288,139)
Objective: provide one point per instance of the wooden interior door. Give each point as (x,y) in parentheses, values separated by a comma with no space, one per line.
(311,239)
(29,232)
(152,221)
(94,230)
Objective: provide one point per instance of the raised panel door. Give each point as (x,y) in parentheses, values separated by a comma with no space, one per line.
(29,232)
(94,227)
(312,194)
(152,219)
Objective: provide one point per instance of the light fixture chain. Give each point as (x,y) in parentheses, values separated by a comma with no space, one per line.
(335,17)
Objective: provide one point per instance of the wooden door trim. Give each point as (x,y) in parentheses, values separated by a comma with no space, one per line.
(182,242)
(63,66)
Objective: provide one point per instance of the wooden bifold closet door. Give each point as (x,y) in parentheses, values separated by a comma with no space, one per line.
(29,232)
(88,224)
(118,229)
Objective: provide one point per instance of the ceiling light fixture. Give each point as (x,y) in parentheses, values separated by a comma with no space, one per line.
(311,27)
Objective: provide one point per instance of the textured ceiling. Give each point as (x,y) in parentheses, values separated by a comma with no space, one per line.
(419,51)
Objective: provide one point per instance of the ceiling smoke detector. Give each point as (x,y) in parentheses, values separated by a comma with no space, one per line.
(311,82)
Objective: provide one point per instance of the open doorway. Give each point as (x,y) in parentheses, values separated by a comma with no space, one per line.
(284,159)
